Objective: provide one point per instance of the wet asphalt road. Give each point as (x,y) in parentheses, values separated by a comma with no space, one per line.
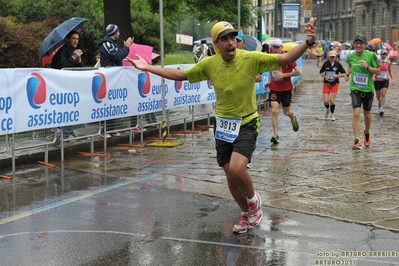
(323,202)
(122,221)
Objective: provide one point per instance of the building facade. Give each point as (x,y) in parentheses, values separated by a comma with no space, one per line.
(339,20)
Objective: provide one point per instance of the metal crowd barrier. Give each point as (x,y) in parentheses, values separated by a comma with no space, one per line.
(38,141)
(43,140)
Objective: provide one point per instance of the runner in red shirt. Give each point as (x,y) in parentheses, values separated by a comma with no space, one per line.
(281,91)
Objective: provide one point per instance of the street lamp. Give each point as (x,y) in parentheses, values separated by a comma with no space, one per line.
(318,4)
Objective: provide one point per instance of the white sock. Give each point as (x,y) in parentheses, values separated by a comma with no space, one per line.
(244,214)
(253,199)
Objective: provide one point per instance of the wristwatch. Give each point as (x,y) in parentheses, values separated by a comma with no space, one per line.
(308,43)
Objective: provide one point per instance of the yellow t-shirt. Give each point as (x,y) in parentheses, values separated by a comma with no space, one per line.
(234,81)
(319,51)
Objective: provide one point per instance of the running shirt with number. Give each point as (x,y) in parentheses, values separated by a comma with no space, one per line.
(284,84)
(384,66)
(330,70)
(361,79)
(234,82)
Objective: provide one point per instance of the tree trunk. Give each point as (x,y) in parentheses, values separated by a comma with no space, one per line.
(118,12)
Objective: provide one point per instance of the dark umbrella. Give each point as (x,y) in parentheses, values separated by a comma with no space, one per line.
(56,39)
(252,44)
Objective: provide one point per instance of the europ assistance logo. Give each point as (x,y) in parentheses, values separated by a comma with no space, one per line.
(98,87)
(144,84)
(178,84)
(36,90)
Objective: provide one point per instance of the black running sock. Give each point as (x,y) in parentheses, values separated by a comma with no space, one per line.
(332,108)
(327,106)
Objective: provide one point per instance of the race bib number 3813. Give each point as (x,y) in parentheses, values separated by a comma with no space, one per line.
(227,129)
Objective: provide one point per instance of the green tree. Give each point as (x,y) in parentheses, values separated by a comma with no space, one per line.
(138,18)
(118,14)
(205,10)
(20,42)
(38,11)
(146,27)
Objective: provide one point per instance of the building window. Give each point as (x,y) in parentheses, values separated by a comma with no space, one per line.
(350,33)
(374,16)
(394,15)
(383,34)
(343,28)
(364,17)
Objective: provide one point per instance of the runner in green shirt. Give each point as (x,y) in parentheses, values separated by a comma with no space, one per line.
(232,72)
(363,65)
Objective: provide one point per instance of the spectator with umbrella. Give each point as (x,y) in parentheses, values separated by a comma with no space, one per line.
(59,47)
(56,39)
(68,56)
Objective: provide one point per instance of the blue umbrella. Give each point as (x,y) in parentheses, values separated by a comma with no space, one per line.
(56,39)
(252,44)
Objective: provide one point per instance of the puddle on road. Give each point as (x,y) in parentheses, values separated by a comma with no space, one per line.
(35,186)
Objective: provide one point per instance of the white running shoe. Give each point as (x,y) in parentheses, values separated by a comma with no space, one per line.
(242,226)
(255,213)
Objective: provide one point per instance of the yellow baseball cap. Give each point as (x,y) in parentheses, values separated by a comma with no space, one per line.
(219,30)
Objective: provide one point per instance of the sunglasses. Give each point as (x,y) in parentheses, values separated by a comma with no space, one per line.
(276,47)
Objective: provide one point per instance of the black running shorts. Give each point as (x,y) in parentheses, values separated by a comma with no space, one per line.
(244,144)
(283,97)
(378,85)
(362,98)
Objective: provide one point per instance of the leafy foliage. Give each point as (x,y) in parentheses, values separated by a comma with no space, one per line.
(20,42)
(226,10)
(150,33)
(37,18)
(25,23)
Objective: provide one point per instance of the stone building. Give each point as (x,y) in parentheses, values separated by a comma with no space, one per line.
(338,20)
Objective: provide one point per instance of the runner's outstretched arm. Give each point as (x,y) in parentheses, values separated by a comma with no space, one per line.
(168,73)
